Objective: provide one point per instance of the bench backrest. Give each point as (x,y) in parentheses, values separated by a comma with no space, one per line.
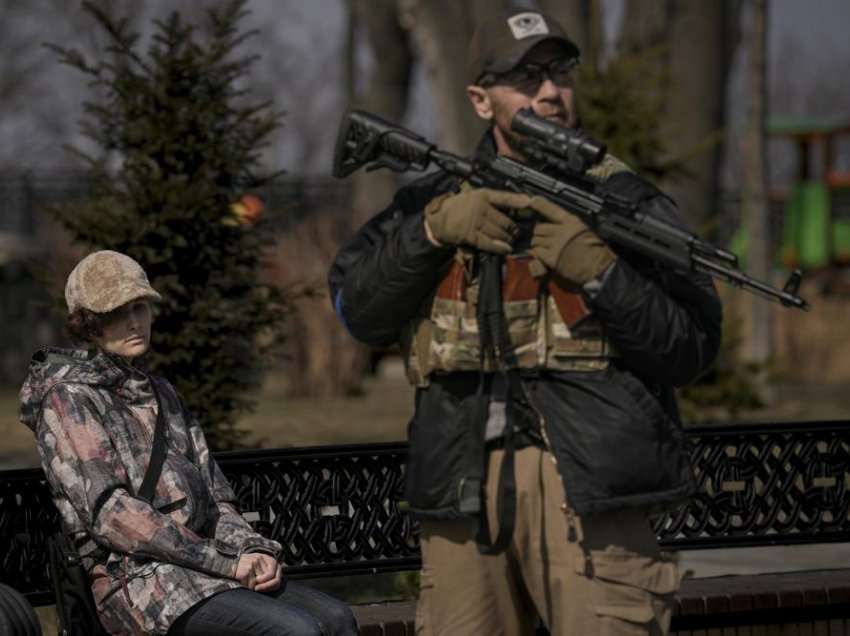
(340,509)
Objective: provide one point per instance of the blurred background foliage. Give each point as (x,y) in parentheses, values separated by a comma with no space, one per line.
(622,103)
(665,85)
(181,118)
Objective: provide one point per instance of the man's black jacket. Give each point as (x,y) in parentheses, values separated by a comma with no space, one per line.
(616,434)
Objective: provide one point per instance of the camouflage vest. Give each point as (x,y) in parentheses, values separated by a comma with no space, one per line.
(549,324)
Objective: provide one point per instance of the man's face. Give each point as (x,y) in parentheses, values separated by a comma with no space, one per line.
(552,99)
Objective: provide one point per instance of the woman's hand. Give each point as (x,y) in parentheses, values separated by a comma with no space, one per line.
(259,572)
(271,576)
(246,570)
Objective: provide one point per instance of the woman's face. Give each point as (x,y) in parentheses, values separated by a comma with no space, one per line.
(126,330)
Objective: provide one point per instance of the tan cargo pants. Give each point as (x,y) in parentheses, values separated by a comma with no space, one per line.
(612,580)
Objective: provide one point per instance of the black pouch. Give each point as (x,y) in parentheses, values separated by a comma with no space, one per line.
(75,608)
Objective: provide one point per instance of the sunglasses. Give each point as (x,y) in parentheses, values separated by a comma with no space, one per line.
(531,75)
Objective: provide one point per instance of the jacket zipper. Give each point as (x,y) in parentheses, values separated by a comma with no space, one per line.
(572,534)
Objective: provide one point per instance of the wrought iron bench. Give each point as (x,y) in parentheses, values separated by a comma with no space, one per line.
(339,510)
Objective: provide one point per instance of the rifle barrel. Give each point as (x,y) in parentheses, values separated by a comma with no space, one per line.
(738,278)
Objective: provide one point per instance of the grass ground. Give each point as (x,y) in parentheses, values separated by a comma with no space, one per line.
(379,415)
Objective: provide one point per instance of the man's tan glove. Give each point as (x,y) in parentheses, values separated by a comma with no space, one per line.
(563,243)
(473,217)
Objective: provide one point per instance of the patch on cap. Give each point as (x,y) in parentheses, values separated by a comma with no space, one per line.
(524,25)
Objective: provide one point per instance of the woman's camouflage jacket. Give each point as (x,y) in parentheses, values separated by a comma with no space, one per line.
(94,416)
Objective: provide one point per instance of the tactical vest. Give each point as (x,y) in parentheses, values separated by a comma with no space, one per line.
(549,323)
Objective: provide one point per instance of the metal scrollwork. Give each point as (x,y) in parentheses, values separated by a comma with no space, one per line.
(339,509)
(777,484)
(27,518)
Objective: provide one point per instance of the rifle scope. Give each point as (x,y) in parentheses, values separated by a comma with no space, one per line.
(576,147)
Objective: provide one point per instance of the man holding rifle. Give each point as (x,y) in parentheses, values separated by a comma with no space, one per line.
(551,423)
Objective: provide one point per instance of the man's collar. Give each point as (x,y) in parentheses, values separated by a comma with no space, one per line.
(486,148)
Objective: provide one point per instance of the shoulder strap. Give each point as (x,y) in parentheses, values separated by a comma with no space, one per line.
(157,458)
(154,470)
(495,341)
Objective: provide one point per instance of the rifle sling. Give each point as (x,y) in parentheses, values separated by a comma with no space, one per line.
(495,340)
(157,459)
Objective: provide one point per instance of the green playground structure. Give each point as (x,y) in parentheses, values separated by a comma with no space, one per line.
(816,209)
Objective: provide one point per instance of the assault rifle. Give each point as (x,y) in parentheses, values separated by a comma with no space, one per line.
(367,140)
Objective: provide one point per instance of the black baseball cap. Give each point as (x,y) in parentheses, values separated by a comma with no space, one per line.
(501,41)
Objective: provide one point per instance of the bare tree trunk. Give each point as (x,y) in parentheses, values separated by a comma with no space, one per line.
(386,94)
(582,21)
(389,80)
(349,48)
(696,40)
(332,362)
(442,30)
(325,359)
(754,187)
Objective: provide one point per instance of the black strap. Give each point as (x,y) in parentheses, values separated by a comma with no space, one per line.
(495,340)
(76,610)
(157,458)
(154,470)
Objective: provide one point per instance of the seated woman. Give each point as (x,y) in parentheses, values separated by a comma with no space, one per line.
(187,563)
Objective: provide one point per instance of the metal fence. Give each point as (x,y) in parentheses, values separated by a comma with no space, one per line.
(25,198)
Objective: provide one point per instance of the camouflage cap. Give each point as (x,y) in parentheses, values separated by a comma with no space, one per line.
(105,280)
(501,41)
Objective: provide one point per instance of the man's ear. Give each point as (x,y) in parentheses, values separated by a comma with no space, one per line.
(480,99)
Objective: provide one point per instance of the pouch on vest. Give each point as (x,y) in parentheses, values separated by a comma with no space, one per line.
(549,324)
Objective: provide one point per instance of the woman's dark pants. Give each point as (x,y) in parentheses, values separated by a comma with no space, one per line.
(294,610)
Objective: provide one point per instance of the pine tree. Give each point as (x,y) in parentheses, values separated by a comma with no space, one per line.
(179,142)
